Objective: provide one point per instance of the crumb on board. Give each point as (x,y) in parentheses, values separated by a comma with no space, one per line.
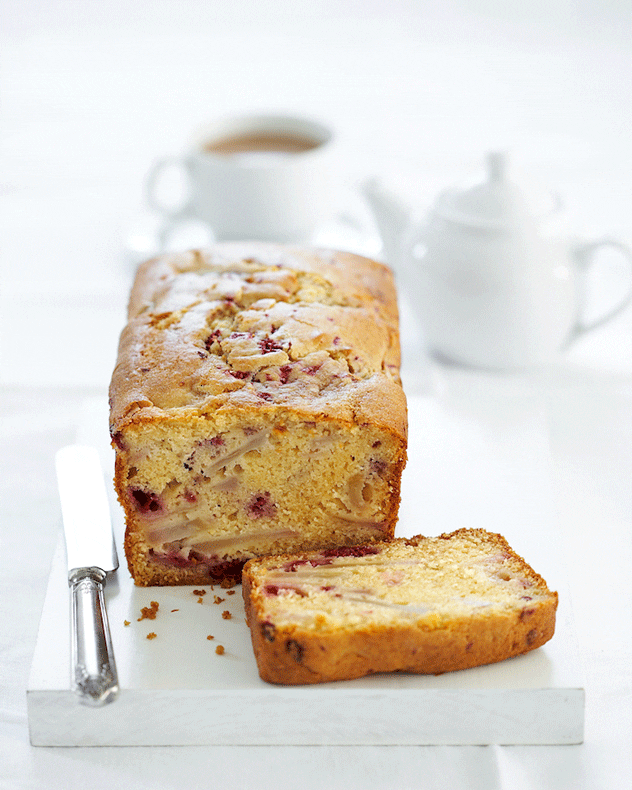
(151,635)
(217,599)
(226,614)
(210,636)
(126,622)
(219,650)
(149,612)
(175,610)
(200,600)
(199,592)
(230,592)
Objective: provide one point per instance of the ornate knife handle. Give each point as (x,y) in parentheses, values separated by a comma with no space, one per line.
(94,671)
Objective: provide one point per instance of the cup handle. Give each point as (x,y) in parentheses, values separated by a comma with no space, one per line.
(151,188)
(584,257)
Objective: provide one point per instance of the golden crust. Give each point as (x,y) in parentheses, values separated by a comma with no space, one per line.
(295,653)
(160,371)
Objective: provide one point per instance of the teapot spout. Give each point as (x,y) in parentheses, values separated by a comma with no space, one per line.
(391,218)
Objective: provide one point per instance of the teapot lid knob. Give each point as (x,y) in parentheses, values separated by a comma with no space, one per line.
(496,201)
(497,163)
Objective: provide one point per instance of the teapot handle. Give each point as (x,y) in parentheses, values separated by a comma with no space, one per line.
(585,258)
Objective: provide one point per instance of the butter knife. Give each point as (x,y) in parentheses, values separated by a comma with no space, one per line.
(91,555)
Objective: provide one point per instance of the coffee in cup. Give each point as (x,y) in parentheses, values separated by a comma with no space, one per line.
(261,143)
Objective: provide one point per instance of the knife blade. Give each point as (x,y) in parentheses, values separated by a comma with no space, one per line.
(91,555)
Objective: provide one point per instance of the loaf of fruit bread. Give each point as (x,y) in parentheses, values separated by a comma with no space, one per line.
(256,408)
(421,605)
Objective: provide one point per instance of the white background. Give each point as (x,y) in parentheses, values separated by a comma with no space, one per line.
(92,93)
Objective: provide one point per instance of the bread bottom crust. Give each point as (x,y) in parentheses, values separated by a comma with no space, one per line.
(150,571)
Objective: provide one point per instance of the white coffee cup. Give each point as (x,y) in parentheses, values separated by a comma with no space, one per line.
(262,177)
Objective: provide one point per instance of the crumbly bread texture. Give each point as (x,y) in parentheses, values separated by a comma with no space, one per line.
(421,605)
(256,408)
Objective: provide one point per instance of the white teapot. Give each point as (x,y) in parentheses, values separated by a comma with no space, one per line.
(495,279)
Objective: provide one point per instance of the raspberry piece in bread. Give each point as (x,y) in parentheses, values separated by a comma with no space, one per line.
(422,605)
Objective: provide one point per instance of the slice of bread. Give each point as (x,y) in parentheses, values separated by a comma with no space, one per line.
(421,605)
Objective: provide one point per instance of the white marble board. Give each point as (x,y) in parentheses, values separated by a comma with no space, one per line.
(176,690)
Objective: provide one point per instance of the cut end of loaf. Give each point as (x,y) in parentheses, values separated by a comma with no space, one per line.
(201,499)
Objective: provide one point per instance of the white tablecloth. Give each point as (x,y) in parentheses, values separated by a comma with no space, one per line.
(92,93)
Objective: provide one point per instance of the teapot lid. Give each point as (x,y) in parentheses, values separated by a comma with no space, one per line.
(497,202)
